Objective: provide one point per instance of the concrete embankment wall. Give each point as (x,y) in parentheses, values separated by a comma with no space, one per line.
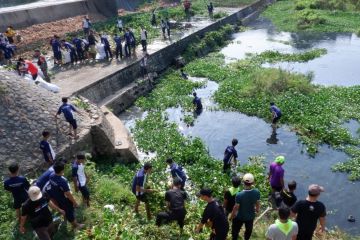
(23,16)
(162,59)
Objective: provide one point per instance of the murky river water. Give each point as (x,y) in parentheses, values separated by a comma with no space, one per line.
(217,128)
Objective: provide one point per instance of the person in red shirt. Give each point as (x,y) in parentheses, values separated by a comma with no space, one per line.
(28,67)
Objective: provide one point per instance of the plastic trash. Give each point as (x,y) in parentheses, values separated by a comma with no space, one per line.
(67,58)
(110,207)
(100,52)
(48,86)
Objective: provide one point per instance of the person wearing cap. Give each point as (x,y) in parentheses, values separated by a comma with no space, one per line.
(59,193)
(230,156)
(247,202)
(308,212)
(276,174)
(213,215)
(175,202)
(37,210)
(139,188)
(283,228)
(80,178)
(230,194)
(177,172)
(18,186)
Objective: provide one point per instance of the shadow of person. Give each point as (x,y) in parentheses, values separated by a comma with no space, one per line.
(273,137)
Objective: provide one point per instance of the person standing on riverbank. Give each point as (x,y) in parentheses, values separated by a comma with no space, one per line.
(120,25)
(46,148)
(213,215)
(140,189)
(42,64)
(56,47)
(175,202)
(197,103)
(104,40)
(59,192)
(168,27)
(67,110)
(247,204)
(92,42)
(308,212)
(230,156)
(275,114)
(276,174)
(177,172)
(230,194)
(127,39)
(86,24)
(143,38)
(18,186)
(163,27)
(80,178)
(210,8)
(283,228)
(118,49)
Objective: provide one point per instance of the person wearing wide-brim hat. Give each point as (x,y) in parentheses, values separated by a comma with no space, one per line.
(276,174)
(37,210)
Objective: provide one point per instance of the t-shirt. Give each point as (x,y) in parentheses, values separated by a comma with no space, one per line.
(247,200)
(104,40)
(32,69)
(55,44)
(58,185)
(215,213)
(288,198)
(308,214)
(119,23)
(78,171)
(276,174)
(46,149)
(117,40)
(176,198)
(276,110)
(69,46)
(44,178)
(230,152)
(139,180)
(275,233)
(18,186)
(197,102)
(67,110)
(143,35)
(177,171)
(86,23)
(38,212)
(230,195)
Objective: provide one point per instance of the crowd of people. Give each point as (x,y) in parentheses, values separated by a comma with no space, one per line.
(239,206)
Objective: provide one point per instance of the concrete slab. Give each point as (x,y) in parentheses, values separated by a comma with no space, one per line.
(71,79)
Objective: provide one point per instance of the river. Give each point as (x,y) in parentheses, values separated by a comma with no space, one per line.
(217,128)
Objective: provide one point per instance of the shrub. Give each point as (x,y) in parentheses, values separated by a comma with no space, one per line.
(308,18)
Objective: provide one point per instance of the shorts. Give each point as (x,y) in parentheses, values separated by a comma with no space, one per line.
(275,120)
(72,123)
(142,198)
(84,192)
(17,203)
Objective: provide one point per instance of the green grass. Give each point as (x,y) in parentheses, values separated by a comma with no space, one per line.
(286,18)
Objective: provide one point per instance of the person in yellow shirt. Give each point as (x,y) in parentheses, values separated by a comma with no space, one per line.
(10,34)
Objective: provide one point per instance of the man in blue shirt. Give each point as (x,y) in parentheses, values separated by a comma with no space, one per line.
(230,155)
(18,186)
(275,114)
(247,204)
(79,48)
(117,40)
(59,192)
(107,48)
(48,152)
(56,47)
(44,178)
(140,190)
(128,40)
(197,103)
(67,110)
(70,48)
(177,172)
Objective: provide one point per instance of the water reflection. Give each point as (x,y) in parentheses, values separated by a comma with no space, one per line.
(338,67)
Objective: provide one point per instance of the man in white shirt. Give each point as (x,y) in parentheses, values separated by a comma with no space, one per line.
(120,25)
(143,37)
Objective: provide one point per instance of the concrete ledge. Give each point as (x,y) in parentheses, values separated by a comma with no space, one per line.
(160,60)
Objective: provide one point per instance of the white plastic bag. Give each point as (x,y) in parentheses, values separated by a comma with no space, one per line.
(67,58)
(48,86)
(100,52)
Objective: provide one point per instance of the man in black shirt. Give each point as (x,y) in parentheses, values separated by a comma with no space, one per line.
(36,208)
(308,212)
(288,197)
(213,215)
(229,196)
(175,201)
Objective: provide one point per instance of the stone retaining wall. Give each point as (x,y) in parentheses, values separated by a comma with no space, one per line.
(162,59)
